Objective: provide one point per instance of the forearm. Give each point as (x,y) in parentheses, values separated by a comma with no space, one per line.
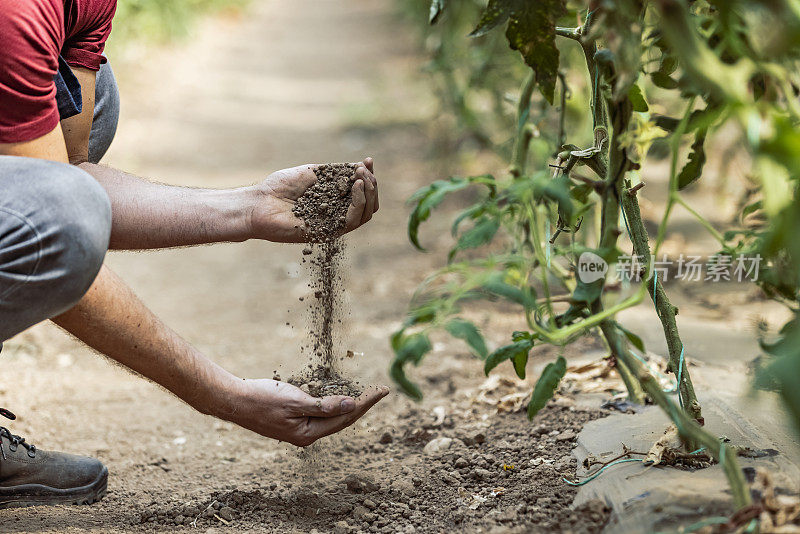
(112,320)
(148,215)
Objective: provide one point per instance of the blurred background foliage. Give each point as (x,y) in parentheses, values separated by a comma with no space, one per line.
(161,21)
(705,65)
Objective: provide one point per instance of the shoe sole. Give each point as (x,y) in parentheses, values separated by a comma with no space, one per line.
(41,495)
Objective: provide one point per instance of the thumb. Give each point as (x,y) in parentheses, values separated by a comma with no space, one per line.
(327,406)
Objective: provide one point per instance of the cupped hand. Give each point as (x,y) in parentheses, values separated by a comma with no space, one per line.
(272,218)
(284,412)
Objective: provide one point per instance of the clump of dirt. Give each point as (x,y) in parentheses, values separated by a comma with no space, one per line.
(459,474)
(321,381)
(323,209)
(323,206)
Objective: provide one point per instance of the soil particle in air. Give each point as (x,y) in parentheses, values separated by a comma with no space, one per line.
(323,210)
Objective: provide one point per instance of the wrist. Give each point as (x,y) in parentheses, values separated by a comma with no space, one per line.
(220,396)
(238,213)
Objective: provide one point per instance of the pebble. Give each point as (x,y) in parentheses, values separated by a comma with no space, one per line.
(440,445)
(566,435)
(386,437)
(226,513)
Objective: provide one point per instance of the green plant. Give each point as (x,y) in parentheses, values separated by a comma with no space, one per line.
(722,66)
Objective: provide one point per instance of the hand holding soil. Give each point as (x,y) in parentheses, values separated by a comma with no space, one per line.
(273,218)
(282,411)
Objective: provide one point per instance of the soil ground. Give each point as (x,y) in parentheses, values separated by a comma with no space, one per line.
(291,83)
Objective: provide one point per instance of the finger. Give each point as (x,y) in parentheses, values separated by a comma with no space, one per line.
(374,181)
(356,209)
(320,427)
(331,406)
(370,164)
(369,194)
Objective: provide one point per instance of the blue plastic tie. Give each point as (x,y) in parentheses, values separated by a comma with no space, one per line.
(680,373)
(597,474)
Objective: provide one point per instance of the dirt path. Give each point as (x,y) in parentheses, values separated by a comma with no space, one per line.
(289,83)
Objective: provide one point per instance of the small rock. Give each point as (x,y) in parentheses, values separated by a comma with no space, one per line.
(481,474)
(404,486)
(226,513)
(341,527)
(565,436)
(369,503)
(439,445)
(360,484)
(461,462)
(386,437)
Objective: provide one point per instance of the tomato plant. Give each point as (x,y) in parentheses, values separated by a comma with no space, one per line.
(724,63)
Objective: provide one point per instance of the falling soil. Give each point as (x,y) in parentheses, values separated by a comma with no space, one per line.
(323,209)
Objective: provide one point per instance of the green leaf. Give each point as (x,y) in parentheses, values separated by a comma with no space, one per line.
(635,340)
(546,385)
(520,361)
(532,30)
(428,198)
(461,329)
(473,212)
(437,6)
(587,293)
(637,99)
(495,14)
(507,352)
(752,208)
(480,234)
(663,80)
(496,286)
(423,314)
(697,158)
(408,349)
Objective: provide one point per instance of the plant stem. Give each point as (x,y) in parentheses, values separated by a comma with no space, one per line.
(688,428)
(664,308)
(524,130)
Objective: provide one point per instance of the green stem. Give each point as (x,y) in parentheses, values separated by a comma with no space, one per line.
(664,308)
(687,427)
(707,225)
(524,130)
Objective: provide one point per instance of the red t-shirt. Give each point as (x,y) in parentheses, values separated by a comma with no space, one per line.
(33,33)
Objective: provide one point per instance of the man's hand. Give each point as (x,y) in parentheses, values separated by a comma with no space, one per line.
(281,411)
(272,218)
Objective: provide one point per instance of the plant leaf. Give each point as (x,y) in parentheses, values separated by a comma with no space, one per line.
(495,14)
(520,361)
(480,234)
(532,30)
(426,199)
(697,158)
(437,6)
(408,349)
(637,99)
(635,340)
(546,385)
(506,352)
(462,329)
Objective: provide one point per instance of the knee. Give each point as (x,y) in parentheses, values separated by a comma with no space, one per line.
(73,222)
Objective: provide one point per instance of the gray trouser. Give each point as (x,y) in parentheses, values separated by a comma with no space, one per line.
(55,223)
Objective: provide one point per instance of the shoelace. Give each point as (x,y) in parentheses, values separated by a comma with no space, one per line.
(14,440)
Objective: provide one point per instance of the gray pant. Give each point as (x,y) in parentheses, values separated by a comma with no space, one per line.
(55,223)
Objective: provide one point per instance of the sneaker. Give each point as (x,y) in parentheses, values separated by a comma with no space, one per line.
(30,476)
